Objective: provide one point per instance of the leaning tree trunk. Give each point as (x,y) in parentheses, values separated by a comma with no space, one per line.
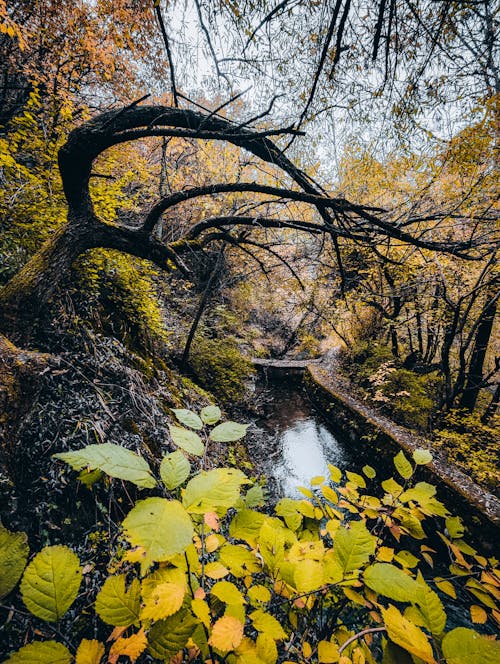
(24,295)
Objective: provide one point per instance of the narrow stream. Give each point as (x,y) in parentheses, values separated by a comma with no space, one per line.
(299,446)
(302,444)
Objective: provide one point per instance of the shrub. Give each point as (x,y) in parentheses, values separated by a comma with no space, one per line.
(201,574)
(220,366)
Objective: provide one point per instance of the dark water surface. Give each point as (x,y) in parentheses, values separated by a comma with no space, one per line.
(300,445)
(303,445)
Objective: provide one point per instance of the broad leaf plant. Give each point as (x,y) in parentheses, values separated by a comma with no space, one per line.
(208,572)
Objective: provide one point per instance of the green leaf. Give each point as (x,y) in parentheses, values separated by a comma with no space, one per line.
(14,552)
(392,582)
(167,637)
(113,460)
(403,466)
(407,635)
(254,497)
(162,527)
(188,418)
(353,546)
(288,509)
(211,414)
(227,592)
(187,440)
(228,432)
(369,472)
(431,609)
(51,582)
(89,477)
(41,652)
(246,526)
(239,560)
(174,469)
(116,605)
(422,457)
(466,646)
(454,527)
(215,490)
(393,654)
(422,492)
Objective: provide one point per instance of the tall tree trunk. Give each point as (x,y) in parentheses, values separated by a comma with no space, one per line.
(481,341)
(202,304)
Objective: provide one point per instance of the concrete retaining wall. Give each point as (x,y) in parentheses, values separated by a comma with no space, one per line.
(479,509)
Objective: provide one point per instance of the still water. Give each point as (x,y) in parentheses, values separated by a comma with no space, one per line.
(302,445)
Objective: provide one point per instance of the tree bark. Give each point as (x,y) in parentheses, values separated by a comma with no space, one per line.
(475,374)
(23,296)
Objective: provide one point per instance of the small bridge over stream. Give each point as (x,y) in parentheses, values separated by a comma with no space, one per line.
(285,365)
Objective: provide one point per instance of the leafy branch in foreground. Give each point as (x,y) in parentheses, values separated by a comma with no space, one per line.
(205,571)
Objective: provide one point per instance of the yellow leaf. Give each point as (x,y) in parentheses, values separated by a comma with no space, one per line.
(216,570)
(227,634)
(136,555)
(165,600)
(258,594)
(407,635)
(266,649)
(327,652)
(447,588)
(264,622)
(358,656)
(89,652)
(318,479)
(306,647)
(132,647)
(227,592)
(478,614)
(211,543)
(385,554)
(308,575)
(201,610)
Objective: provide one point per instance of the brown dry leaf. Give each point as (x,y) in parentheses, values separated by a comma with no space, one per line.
(212,520)
(116,633)
(132,647)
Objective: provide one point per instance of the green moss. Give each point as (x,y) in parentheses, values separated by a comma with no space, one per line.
(123,298)
(219,365)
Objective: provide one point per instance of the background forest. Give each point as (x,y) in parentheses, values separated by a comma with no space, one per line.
(188,185)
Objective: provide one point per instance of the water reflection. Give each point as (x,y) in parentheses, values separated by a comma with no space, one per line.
(304,445)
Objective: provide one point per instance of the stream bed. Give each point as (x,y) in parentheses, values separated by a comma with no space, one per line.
(300,444)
